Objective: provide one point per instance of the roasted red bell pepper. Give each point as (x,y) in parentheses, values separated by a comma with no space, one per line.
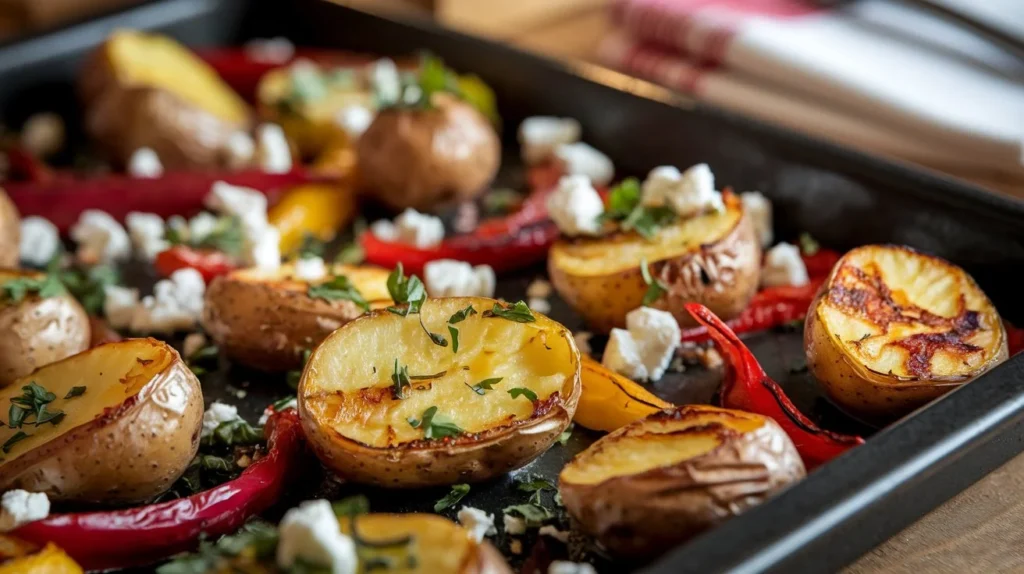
(821,262)
(1014,338)
(139,536)
(747,387)
(24,166)
(63,199)
(769,308)
(208,262)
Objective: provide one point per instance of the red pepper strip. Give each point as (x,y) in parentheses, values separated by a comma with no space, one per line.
(208,262)
(24,166)
(821,263)
(1014,338)
(138,536)
(747,388)
(180,193)
(769,308)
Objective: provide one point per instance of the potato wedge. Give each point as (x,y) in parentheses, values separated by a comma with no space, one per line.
(363,432)
(36,331)
(609,401)
(659,481)
(892,329)
(125,439)
(267,320)
(712,259)
(10,231)
(143,90)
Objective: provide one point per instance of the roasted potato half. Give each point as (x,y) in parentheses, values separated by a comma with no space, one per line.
(143,90)
(126,437)
(662,480)
(713,259)
(426,158)
(36,331)
(892,329)
(10,231)
(359,427)
(267,319)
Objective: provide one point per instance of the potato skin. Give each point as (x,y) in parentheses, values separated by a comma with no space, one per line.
(604,301)
(130,454)
(648,513)
(425,158)
(10,232)
(38,331)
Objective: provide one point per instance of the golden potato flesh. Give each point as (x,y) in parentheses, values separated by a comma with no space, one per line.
(892,329)
(10,231)
(659,481)
(267,319)
(36,331)
(712,259)
(436,545)
(359,427)
(127,436)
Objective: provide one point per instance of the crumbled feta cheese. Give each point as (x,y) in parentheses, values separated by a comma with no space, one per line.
(119,305)
(478,522)
(582,339)
(264,250)
(201,225)
(100,237)
(310,269)
(559,535)
(310,533)
(387,85)
(40,240)
(276,50)
(540,135)
(215,415)
(566,567)
(145,163)
(411,227)
(783,266)
(176,304)
(451,278)
(539,305)
(354,119)
(240,149)
(274,152)
(146,231)
(514,524)
(687,194)
(249,205)
(43,134)
(539,288)
(192,344)
(411,94)
(645,348)
(19,507)
(581,159)
(574,206)
(759,209)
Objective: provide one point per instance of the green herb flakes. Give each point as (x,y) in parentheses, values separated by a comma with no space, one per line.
(522,392)
(485,385)
(435,426)
(405,290)
(655,288)
(338,288)
(519,312)
(458,492)
(75,392)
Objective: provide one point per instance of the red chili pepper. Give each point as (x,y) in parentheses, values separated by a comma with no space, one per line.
(24,166)
(139,536)
(747,387)
(768,308)
(208,262)
(821,263)
(63,199)
(1014,338)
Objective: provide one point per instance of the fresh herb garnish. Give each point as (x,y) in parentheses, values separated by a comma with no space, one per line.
(407,290)
(256,537)
(75,392)
(624,208)
(436,339)
(32,402)
(485,385)
(564,437)
(655,288)
(351,506)
(351,254)
(458,317)
(519,312)
(458,492)
(281,404)
(534,514)
(434,425)
(647,220)
(227,236)
(622,200)
(88,286)
(15,290)
(15,438)
(436,375)
(233,433)
(522,392)
(202,355)
(400,381)
(808,245)
(338,288)
(310,247)
(293,377)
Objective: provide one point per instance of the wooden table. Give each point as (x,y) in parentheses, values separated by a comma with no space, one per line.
(981,529)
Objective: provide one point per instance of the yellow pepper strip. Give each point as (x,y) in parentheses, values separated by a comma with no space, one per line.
(49,560)
(316,209)
(610,401)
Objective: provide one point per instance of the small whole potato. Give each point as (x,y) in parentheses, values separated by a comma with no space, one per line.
(37,331)
(10,232)
(423,158)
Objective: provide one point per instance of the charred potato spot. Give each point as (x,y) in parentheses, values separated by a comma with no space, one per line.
(893,329)
(140,402)
(361,430)
(659,481)
(266,319)
(37,331)
(713,259)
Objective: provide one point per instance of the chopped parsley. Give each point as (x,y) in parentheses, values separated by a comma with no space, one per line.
(519,312)
(15,290)
(458,317)
(485,385)
(655,288)
(351,254)
(522,392)
(808,245)
(435,426)
(310,247)
(233,433)
(436,339)
(338,288)
(405,290)
(535,514)
(15,438)
(625,209)
(458,492)
(400,381)
(75,392)
(32,403)
(257,539)
(227,236)
(199,360)
(88,286)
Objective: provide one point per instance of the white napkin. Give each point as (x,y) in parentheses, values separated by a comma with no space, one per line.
(877,76)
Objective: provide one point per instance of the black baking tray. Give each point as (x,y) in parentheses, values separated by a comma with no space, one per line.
(841,197)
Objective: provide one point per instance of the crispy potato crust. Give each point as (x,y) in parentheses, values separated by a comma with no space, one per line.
(892,329)
(125,440)
(655,483)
